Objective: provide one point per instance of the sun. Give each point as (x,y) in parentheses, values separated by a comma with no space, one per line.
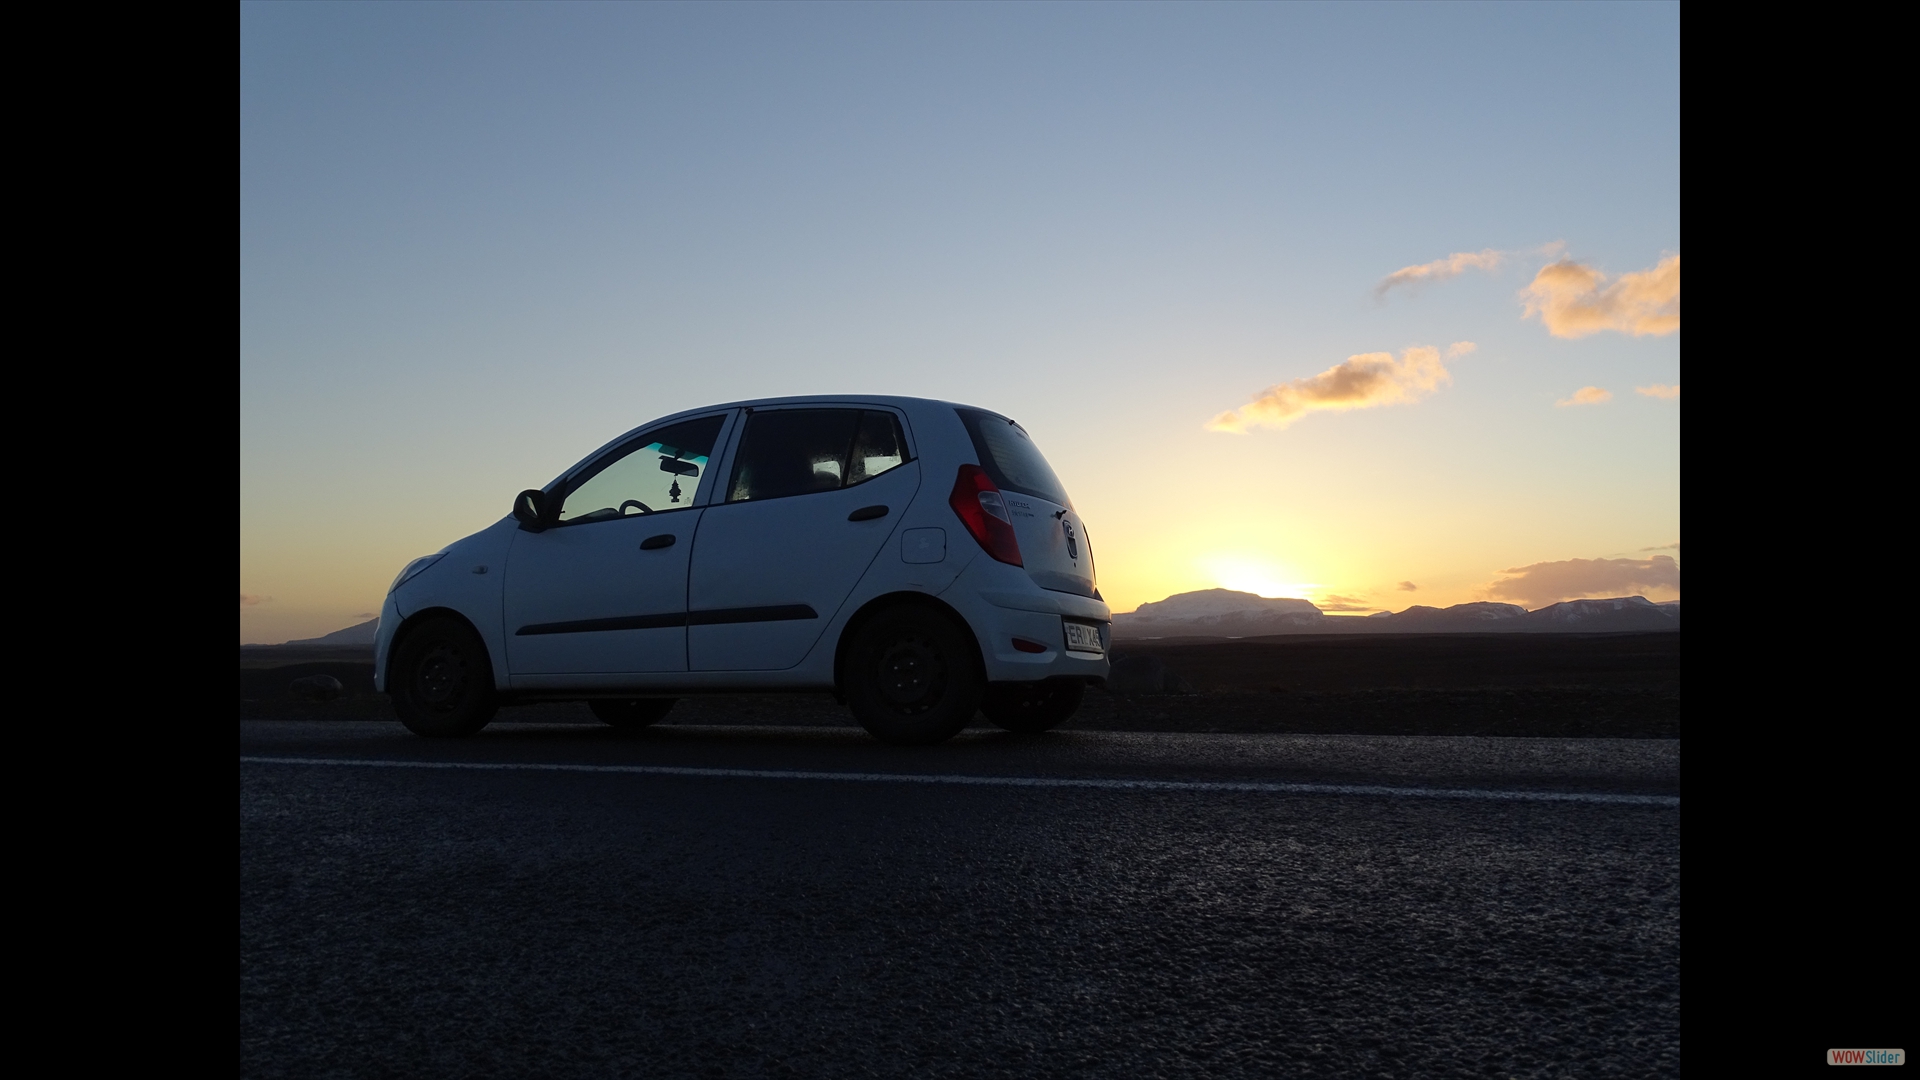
(1251,574)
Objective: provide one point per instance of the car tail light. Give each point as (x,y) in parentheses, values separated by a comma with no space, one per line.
(983,510)
(1028,646)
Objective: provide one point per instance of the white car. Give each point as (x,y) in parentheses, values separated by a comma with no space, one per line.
(917,558)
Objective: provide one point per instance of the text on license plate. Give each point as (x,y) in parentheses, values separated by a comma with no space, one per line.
(1083,638)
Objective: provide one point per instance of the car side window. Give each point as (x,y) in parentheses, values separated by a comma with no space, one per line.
(877,448)
(661,471)
(798,451)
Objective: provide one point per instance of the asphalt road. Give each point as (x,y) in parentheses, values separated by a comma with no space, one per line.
(737,902)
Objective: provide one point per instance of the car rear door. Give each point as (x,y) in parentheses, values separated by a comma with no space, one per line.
(813,494)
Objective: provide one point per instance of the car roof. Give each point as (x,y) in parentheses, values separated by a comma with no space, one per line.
(896,401)
(858,399)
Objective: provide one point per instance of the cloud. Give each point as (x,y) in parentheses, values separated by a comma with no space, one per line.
(368,615)
(1659,390)
(1540,584)
(1452,266)
(1413,278)
(1587,395)
(1358,382)
(249,599)
(1675,546)
(1407,586)
(1460,348)
(1574,300)
(1345,603)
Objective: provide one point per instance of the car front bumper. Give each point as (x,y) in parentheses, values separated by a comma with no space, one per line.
(383,642)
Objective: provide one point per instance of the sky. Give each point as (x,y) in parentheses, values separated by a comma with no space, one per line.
(1375,305)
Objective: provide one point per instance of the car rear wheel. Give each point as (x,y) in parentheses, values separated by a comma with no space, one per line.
(442,684)
(1030,708)
(912,678)
(631,715)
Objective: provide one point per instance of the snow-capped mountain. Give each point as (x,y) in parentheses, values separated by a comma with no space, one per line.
(1476,614)
(1618,613)
(1221,612)
(1211,603)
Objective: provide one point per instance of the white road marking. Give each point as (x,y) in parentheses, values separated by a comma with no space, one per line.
(1095,783)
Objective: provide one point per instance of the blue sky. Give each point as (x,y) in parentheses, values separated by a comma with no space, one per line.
(479,240)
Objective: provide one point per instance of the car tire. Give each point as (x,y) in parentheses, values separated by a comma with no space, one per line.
(912,677)
(1032,707)
(442,680)
(631,715)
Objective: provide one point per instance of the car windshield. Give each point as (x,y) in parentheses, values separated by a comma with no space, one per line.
(1007,453)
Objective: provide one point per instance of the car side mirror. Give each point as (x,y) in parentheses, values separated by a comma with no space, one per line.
(530,509)
(679,468)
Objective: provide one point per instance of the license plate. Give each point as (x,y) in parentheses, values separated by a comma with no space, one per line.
(1083,638)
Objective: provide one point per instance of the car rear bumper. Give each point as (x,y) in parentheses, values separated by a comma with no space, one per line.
(1004,607)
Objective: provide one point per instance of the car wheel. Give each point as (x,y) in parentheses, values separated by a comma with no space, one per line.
(631,715)
(1030,708)
(442,683)
(912,678)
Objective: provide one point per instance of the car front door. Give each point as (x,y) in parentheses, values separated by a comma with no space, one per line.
(603,589)
(813,494)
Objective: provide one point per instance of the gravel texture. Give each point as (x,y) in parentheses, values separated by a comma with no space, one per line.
(400,922)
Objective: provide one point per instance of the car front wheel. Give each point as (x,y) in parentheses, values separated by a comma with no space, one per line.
(442,681)
(911,677)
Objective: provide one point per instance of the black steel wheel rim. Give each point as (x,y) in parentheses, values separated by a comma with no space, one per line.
(913,674)
(440,677)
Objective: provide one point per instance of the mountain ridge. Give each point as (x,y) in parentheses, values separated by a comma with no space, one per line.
(357,634)
(1226,613)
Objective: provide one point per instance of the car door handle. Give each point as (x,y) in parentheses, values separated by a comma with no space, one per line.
(867,513)
(655,543)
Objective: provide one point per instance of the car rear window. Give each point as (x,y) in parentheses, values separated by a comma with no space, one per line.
(1010,458)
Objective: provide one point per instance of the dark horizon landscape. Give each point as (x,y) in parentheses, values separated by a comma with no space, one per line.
(1567,684)
(1227,614)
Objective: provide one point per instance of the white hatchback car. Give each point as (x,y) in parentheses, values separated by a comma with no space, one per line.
(917,558)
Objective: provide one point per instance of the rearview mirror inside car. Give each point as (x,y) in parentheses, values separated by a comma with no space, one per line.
(679,468)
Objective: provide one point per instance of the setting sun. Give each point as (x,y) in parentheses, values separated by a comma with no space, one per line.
(1261,577)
